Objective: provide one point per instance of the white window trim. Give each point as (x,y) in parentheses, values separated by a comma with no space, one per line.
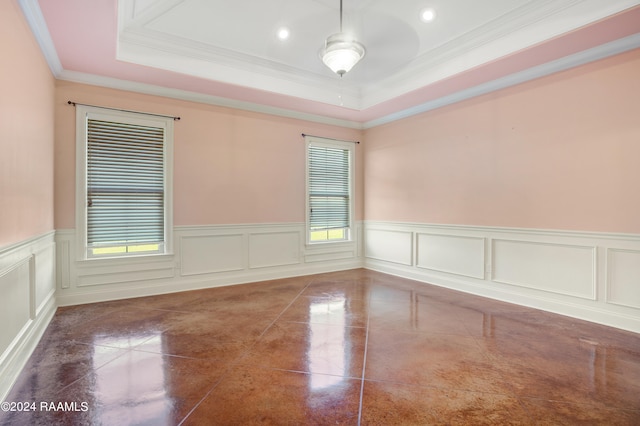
(330,143)
(84,112)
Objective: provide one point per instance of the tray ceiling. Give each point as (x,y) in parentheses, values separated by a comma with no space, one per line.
(220,51)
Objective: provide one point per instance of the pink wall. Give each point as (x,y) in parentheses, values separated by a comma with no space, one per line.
(230,166)
(561,152)
(26,131)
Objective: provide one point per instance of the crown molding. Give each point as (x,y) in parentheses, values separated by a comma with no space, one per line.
(600,52)
(533,23)
(184,95)
(35,19)
(166,52)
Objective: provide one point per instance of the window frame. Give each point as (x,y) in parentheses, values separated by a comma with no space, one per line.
(83,114)
(339,144)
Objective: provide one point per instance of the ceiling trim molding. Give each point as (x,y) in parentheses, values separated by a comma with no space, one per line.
(489,43)
(526,25)
(35,19)
(171,53)
(184,95)
(590,55)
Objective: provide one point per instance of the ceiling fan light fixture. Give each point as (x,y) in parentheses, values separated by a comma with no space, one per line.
(341,53)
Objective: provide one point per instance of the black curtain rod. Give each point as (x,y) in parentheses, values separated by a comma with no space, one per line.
(124,110)
(304,135)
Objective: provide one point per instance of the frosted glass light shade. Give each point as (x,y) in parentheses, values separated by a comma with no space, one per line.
(341,53)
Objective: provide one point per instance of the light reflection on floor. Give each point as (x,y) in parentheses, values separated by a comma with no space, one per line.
(136,379)
(328,349)
(352,347)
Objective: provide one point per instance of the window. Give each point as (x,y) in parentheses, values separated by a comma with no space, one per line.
(124,175)
(329,190)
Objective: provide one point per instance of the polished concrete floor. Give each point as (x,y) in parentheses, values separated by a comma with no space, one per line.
(354,347)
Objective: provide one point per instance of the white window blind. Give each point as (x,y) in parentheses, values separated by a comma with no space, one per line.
(125,184)
(329,192)
(123,187)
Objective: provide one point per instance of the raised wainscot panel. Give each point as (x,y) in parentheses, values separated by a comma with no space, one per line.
(389,246)
(211,253)
(125,270)
(124,277)
(452,254)
(623,284)
(63,263)
(329,256)
(44,275)
(15,303)
(274,249)
(556,268)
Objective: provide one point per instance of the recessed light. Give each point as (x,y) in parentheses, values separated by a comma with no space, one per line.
(283,33)
(427,15)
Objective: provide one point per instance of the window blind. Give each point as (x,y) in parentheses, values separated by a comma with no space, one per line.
(328,188)
(125,183)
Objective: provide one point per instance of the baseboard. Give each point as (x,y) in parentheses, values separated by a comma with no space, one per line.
(573,310)
(109,293)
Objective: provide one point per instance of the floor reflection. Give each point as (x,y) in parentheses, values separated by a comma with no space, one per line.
(599,365)
(328,347)
(343,351)
(133,387)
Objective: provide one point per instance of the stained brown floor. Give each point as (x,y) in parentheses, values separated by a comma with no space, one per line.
(355,347)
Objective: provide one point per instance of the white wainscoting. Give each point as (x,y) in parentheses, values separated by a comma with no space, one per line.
(395,246)
(586,275)
(551,267)
(210,254)
(27,286)
(623,277)
(451,253)
(204,256)
(268,249)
